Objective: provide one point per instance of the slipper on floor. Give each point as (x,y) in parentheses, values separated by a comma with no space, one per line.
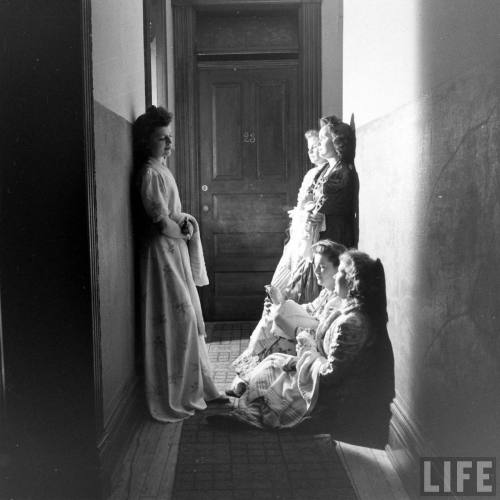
(238,391)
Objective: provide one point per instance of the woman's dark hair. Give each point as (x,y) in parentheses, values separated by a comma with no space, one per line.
(144,126)
(365,280)
(330,250)
(343,135)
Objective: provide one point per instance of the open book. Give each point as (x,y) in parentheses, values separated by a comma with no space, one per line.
(289,316)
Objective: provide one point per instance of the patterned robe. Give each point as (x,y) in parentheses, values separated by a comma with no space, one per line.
(177,370)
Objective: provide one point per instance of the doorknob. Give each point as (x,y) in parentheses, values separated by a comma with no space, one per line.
(205,208)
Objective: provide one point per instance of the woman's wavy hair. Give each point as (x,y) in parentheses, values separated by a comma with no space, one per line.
(365,281)
(343,135)
(311,134)
(330,249)
(144,126)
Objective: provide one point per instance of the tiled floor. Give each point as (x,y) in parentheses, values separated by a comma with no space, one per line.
(225,342)
(197,461)
(245,463)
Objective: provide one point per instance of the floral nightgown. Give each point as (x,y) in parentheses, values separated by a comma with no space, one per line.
(177,370)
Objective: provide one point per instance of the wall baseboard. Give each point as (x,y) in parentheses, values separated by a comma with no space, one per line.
(118,431)
(407,444)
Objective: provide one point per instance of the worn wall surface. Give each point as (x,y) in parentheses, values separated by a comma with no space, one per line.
(119,97)
(428,162)
(331,57)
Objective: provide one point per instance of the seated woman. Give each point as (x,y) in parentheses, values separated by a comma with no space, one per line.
(283,390)
(276,330)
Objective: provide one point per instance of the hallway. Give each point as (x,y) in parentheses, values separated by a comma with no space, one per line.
(422,79)
(192,460)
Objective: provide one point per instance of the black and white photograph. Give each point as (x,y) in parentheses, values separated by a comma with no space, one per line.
(249,249)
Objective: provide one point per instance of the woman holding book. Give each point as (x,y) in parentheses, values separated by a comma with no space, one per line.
(276,331)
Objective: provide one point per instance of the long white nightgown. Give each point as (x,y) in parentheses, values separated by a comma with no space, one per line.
(294,274)
(177,369)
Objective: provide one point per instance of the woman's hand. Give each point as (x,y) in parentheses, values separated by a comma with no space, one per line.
(267,306)
(168,227)
(190,230)
(275,294)
(187,229)
(290,365)
(306,341)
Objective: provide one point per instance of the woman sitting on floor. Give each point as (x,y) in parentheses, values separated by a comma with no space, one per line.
(276,330)
(283,390)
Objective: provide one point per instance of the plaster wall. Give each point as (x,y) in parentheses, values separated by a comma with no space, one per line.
(119,97)
(118,56)
(331,57)
(428,161)
(380,57)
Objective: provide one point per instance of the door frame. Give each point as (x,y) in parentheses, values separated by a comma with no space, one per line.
(185,78)
(155,27)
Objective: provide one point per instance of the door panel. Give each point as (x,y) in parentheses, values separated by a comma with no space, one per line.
(226,110)
(255,210)
(236,250)
(249,177)
(270,105)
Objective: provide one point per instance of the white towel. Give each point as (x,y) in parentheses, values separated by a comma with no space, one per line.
(196,257)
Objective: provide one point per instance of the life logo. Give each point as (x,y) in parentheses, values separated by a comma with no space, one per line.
(458,476)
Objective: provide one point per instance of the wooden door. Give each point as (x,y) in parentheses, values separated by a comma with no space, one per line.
(249,175)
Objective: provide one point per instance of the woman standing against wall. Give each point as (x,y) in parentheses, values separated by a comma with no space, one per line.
(339,183)
(294,275)
(176,365)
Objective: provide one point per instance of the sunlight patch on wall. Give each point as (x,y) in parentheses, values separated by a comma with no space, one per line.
(381,53)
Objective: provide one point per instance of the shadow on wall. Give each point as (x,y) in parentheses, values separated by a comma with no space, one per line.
(454,372)
(138,222)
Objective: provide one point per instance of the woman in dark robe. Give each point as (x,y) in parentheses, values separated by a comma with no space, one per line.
(338,185)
